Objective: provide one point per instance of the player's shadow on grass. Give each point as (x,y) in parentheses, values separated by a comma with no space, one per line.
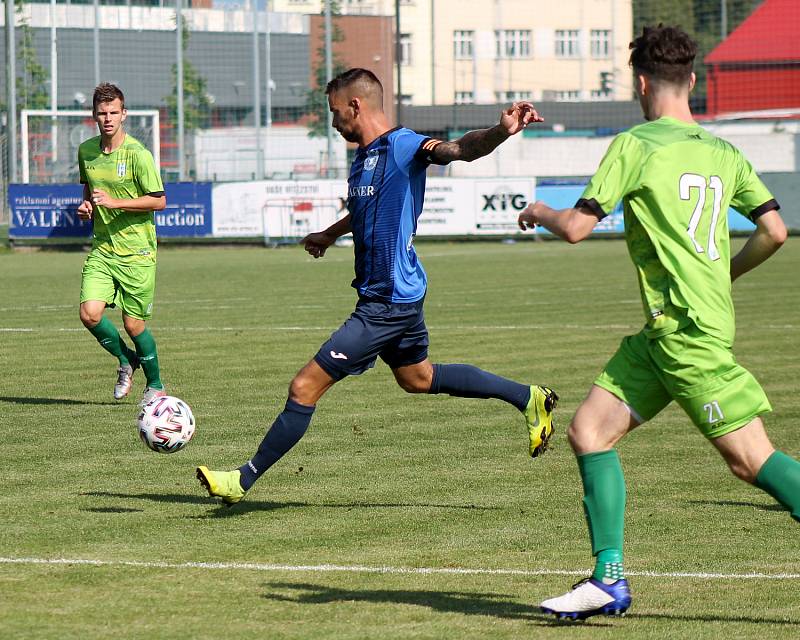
(224,511)
(67,401)
(482,604)
(739,503)
(717,618)
(498,605)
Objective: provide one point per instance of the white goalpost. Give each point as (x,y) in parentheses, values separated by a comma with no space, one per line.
(287,220)
(50,140)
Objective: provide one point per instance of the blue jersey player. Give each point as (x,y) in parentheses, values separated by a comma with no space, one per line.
(386,189)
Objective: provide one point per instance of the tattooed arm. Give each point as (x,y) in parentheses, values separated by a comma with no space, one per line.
(476,144)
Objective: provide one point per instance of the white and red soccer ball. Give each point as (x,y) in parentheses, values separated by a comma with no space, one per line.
(166,424)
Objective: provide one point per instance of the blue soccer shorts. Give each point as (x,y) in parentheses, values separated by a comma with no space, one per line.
(394,331)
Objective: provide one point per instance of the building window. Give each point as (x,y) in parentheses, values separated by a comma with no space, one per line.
(512,43)
(406,98)
(503,97)
(464,97)
(569,95)
(462,44)
(600,43)
(567,43)
(405,49)
(599,94)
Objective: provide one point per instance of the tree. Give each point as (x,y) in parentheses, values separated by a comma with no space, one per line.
(702,20)
(196,101)
(32,78)
(316,100)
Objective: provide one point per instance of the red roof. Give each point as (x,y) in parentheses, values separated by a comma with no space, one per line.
(771,33)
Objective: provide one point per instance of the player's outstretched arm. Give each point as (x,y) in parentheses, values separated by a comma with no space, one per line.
(768,237)
(317,243)
(481,142)
(572,225)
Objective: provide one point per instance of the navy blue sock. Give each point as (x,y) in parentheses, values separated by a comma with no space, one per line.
(284,433)
(466,381)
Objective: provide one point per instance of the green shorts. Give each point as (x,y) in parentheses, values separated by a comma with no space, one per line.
(130,287)
(691,367)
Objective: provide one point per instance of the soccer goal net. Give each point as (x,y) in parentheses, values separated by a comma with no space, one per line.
(286,221)
(50,141)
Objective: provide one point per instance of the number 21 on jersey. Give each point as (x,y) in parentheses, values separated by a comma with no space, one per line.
(692,184)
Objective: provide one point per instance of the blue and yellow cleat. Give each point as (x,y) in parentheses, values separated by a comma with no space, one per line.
(588,598)
(222,484)
(539,416)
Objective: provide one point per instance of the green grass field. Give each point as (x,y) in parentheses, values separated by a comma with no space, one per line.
(397,516)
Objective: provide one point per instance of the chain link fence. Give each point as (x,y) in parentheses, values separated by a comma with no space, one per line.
(252,75)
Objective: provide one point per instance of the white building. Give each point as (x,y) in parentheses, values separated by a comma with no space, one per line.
(490,51)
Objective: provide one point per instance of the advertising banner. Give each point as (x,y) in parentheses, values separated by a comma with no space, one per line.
(468,206)
(277,208)
(51,211)
(46,211)
(188,211)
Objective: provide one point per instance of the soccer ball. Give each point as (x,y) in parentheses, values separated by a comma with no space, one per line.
(166,424)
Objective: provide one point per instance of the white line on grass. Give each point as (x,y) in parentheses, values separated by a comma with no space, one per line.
(509,327)
(317,568)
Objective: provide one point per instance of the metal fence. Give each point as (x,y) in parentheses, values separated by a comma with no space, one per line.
(251,76)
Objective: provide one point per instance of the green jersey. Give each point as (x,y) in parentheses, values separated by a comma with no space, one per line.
(676,182)
(127,172)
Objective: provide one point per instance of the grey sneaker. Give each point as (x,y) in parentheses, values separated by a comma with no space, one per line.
(124,382)
(151,394)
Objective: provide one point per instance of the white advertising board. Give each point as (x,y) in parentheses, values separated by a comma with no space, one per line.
(291,209)
(276,208)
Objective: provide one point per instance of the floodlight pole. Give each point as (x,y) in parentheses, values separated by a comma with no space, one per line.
(398,50)
(723,19)
(268,67)
(96,39)
(53,83)
(11,91)
(328,78)
(179,88)
(257,95)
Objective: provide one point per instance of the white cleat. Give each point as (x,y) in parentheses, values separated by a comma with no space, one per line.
(151,394)
(590,597)
(124,382)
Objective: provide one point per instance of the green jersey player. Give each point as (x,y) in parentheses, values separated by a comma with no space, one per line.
(121,189)
(676,182)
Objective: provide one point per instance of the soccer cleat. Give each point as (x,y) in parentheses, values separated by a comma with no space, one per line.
(151,394)
(539,416)
(590,597)
(222,484)
(124,380)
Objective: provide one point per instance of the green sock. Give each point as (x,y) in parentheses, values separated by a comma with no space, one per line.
(608,566)
(780,478)
(109,338)
(148,358)
(604,506)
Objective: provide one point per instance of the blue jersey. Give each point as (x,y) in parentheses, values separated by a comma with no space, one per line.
(386,189)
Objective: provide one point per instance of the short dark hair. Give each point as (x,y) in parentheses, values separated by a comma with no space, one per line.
(664,53)
(107,92)
(368,81)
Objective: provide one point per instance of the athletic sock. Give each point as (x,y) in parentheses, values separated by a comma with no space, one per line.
(148,358)
(780,478)
(109,338)
(604,506)
(608,566)
(284,433)
(466,381)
